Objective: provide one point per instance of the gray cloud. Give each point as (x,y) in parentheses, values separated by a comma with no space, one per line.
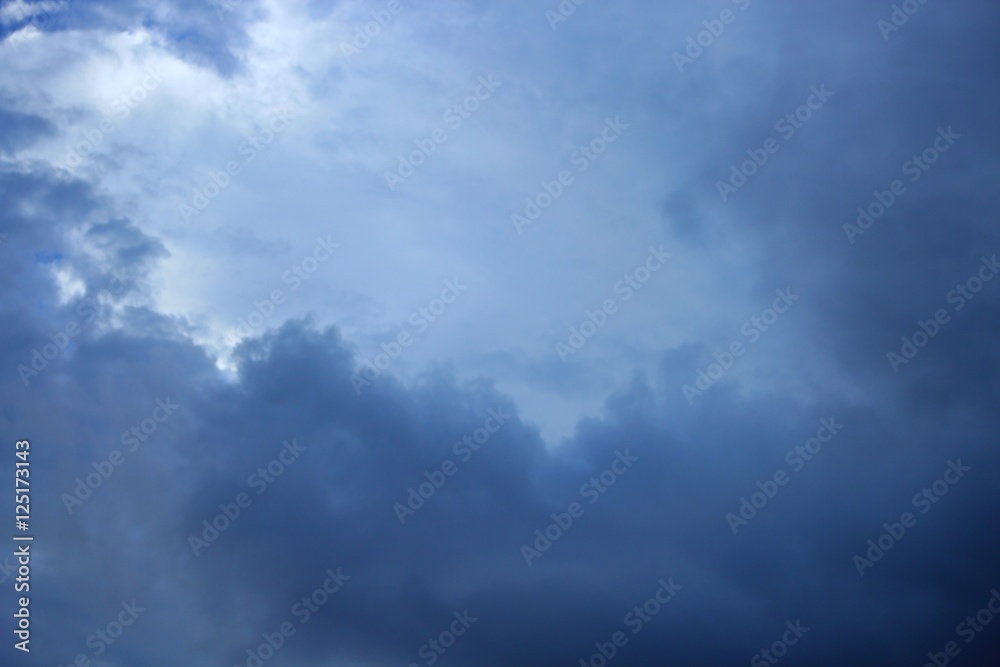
(663,517)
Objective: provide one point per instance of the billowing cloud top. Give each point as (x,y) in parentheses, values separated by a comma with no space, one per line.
(578,333)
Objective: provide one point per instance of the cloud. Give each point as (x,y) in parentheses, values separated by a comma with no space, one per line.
(225,503)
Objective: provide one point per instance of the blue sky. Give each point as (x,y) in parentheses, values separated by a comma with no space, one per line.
(705,290)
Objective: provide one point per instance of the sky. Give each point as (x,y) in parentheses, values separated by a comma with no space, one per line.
(363,334)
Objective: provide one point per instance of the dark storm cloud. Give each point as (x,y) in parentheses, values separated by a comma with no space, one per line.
(860,297)
(333,509)
(664,517)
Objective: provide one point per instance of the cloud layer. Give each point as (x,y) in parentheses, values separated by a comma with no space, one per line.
(781,438)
